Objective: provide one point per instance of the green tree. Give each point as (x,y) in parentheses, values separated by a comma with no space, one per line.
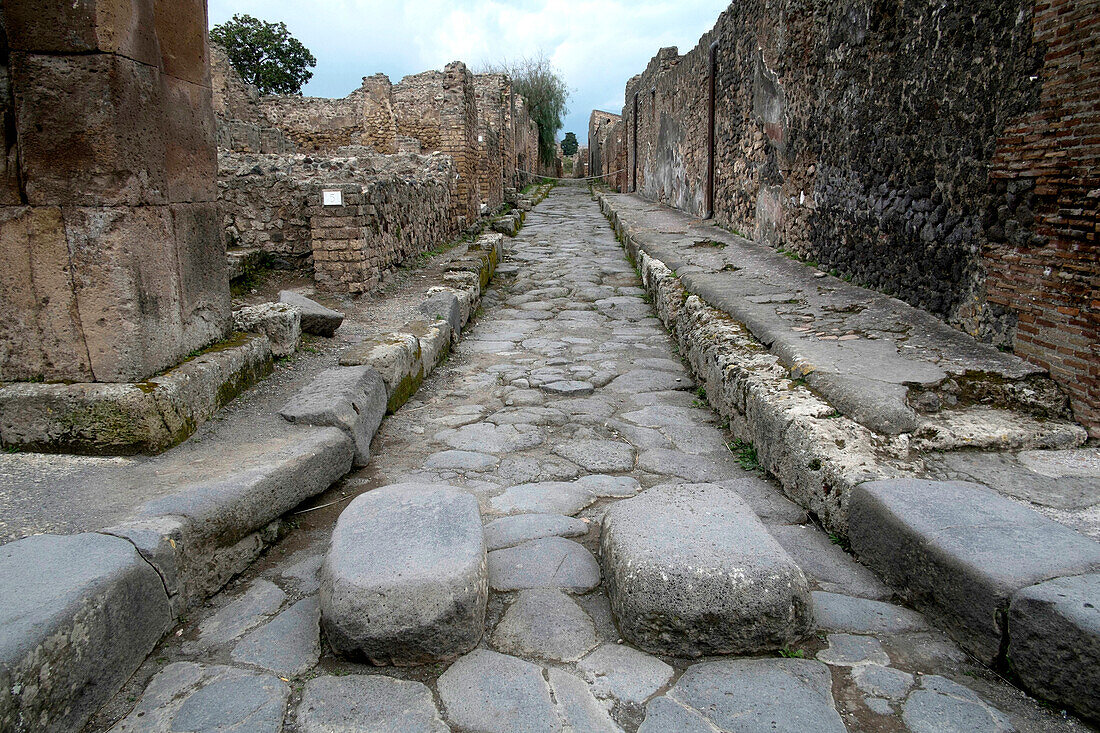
(536,79)
(265,54)
(569,145)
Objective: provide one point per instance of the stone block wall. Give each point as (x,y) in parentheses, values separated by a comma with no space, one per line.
(110,229)
(606,152)
(527,144)
(239,123)
(364,117)
(496,139)
(943,154)
(439,108)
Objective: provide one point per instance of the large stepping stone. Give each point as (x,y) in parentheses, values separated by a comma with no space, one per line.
(495,693)
(551,562)
(368,703)
(405,580)
(747,696)
(352,399)
(1054,641)
(961,551)
(690,571)
(316,318)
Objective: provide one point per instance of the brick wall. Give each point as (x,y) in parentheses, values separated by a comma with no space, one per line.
(496,156)
(527,144)
(945,154)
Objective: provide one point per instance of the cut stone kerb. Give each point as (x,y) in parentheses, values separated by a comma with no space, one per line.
(692,571)
(406,577)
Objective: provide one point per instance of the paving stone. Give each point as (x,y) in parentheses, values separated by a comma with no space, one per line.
(848,650)
(462,460)
(664,715)
(690,570)
(368,703)
(1054,641)
(836,612)
(648,380)
(405,578)
(569,387)
(623,672)
(262,599)
(597,455)
(825,562)
(352,399)
(495,693)
(486,437)
(544,497)
(78,615)
(316,318)
(578,709)
(961,551)
(288,645)
(879,705)
(550,562)
(546,624)
(510,531)
(304,573)
(767,501)
(943,706)
(694,468)
(193,697)
(750,695)
(883,681)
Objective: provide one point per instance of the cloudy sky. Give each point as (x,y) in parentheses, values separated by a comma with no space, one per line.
(596,44)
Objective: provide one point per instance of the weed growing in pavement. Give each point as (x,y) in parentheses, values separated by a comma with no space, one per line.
(745,454)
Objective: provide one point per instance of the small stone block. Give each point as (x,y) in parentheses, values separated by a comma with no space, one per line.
(350,398)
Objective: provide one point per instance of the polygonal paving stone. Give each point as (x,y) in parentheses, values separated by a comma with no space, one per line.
(623,672)
(368,703)
(486,437)
(943,706)
(568,387)
(287,645)
(546,624)
(882,681)
(597,455)
(262,599)
(544,497)
(551,562)
(648,380)
(848,650)
(836,612)
(510,531)
(496,693)
(578,709)
(462,460)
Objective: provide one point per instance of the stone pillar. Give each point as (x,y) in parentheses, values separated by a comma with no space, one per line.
(110,232)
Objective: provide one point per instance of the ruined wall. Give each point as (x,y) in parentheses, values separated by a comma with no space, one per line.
(114,263)
(238,122)
(605,146)
(439,109)
(364,117)
(495,138)
(527,144)
(895,143)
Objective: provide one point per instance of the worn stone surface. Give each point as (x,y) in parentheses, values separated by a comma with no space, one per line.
(549,562)
(405,580)
(624,673)
(692,571)
(288,644)
(316,318)
(513,530)
(943,705)
(836,612)
(280,322)
(496,693)
(849,650)
(577,708)
(262,599)
(350,398)
(546,624)
(367,703)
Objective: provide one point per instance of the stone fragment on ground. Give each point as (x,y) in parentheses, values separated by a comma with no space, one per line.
(352,399)
(280,322)
(316,318)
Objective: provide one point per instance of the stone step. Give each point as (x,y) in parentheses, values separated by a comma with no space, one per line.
(405,580)
(692,571)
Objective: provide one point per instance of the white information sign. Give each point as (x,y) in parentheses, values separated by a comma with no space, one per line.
(330,197)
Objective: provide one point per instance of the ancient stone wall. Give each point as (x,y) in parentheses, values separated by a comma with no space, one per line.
(527,144)
(238,122)
(110,230)
(364,117)
(896,143)
(496,158)
(439,109)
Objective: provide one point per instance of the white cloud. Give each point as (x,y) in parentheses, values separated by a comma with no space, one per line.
(596,44)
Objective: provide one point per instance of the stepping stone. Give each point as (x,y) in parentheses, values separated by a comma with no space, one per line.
(193,697)
(597,455)
(352,399)
(262,599)
(578,709)
(551,562)
(848,650)
(1054,641)
(623,672)
(368,703)
(405,578)
(690,571)
(569,387)
(751,695)
(962,550)
(288,645)
(835,612)
(943,706)
(316,318)
(495,693)
(546,624)
(544,497)
(462,460)
(510,531)
(486,437)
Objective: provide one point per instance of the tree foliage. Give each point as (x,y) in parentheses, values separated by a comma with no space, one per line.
(265,54)
(536,79)
(569,144)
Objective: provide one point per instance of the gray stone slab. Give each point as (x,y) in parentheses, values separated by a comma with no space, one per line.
(825,562)
(368,703)
(495,693)
(711,468)
(513,530)
(836,612)
(850,650)
(624,673)
(544,497)
(550,562)
(648,380)
(1054,641)
(260,600)
(304,573)
(664,715)
(943,706)
(597,455)
(767,500)
(486,437)
(192,697)
(280,322)
(546,624)
(609,486)
(690,570)
(568,387)
(352,399)
(405,577)
(288,645)
(751,695)
(577,707)
(462,460)
(316,318)
(78,615)
(882,681)
(443,306)
(961,551)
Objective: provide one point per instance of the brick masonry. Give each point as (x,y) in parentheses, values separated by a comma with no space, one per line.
(943,154)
